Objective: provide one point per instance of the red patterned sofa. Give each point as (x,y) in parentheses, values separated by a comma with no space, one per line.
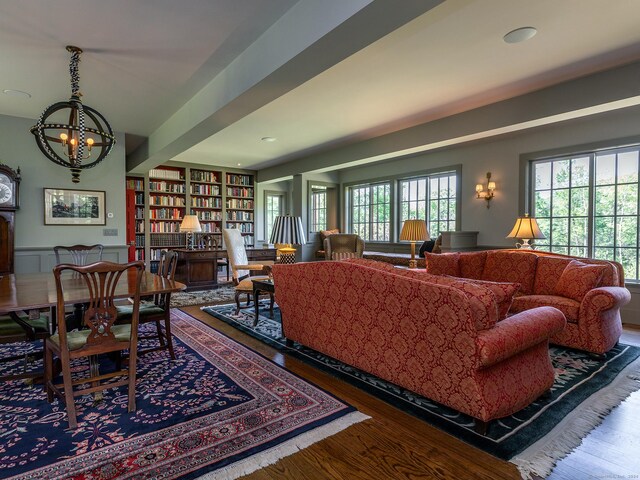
(443,341)
(589,292)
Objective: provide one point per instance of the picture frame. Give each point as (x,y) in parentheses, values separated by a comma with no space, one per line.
(74,207)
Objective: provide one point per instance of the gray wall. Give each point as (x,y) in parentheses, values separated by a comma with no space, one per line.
(34,239)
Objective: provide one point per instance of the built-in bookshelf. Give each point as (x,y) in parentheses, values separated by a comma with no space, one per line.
(167,207)
(240,204)
(161,200)
(136,185)
(205,193)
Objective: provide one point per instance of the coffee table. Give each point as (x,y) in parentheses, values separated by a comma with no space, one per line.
(262,286)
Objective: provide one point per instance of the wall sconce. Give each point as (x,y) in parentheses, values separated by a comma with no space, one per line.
(488,194)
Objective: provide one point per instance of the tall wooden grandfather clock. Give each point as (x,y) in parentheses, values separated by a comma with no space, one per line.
(9,203)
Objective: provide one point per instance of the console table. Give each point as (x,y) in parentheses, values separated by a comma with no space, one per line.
(198,269)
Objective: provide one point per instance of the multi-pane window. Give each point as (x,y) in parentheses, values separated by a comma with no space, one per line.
(432,198)
(274,206)
(371,211)
(588,205)
(318,209)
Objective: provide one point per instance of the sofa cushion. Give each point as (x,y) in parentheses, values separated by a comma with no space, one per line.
(569,307)
(512,267)
(548,272)
(504,293)
(443,263)
(472,264)
(578,278)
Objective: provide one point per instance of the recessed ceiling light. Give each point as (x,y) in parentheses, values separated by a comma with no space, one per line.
(520,35)
(239,164)
(16,93)
(268,139)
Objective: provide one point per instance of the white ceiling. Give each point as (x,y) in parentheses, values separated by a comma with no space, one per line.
(146,58)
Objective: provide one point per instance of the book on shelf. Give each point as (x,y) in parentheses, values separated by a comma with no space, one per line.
(165,174)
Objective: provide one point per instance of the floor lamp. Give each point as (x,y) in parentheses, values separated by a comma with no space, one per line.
(288,229)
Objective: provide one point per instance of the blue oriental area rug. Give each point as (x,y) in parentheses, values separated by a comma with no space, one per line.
(219,409)
(535,438)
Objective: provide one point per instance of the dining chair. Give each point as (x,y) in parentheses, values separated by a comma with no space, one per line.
(80,255)
(21,327)
(101,335)
(241,269)
(158,311)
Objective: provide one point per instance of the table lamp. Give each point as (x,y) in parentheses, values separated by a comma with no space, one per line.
(413,231)
(527,229)
(190,224)
(287,229)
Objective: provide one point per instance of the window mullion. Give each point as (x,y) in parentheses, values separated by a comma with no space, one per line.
(591,207)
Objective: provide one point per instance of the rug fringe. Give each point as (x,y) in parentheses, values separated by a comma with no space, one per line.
(294,445)
(540,458)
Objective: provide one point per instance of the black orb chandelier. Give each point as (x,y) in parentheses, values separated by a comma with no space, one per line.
(68,133)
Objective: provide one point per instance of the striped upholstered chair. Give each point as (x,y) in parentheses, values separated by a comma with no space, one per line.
(340,246)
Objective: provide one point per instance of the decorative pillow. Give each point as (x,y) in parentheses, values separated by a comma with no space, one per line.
(504,293)
(578,278)
(443,263)
(343,255)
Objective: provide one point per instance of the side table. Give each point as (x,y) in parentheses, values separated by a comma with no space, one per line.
(262,286)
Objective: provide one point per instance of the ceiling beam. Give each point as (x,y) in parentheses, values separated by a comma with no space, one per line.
(307,40)
(597,93)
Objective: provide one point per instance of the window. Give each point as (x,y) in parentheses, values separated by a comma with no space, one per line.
(371,211)
(587,205)
(274,206)
(431,197)
(318,220)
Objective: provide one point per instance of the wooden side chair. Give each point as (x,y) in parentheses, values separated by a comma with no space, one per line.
(241,269)
(80,255)
(158,311)
(100,336)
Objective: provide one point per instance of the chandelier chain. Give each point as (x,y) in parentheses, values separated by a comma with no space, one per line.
(74,71)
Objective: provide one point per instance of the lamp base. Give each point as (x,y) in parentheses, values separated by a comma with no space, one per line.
(288,257)
(413,264)
(525,245)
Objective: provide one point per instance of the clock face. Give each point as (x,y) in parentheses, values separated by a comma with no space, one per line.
(6,190)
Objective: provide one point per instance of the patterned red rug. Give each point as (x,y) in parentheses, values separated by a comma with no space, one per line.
(220,410)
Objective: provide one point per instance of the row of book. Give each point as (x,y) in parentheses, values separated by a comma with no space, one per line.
(206,202)
(166,174)
(139,213)
(140,198)
(167,187)
(243,227)
(240,192)
(164,227)
(202,176)
(203,189)
(135,184)
(239,179)
(240,216)
(169,201)
(168,240)
(139,226)
(209,215)
(166,214)
(243,204)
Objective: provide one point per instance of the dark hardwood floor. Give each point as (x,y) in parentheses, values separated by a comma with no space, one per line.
(396,445)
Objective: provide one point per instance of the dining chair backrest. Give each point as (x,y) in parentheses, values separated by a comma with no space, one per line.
(80,254)
(166,269)
(100,279)
(236,252)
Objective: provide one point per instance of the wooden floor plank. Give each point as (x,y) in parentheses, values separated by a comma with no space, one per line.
(396,445)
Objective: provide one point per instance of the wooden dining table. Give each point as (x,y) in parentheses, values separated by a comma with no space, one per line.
(30,291)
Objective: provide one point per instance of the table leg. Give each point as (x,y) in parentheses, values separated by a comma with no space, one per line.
(256,304)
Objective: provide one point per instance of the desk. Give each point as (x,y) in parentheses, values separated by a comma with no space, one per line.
(198,268)
(26,291)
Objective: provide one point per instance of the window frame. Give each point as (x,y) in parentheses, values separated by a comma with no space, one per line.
(592,150)
(394,180)
(283,209)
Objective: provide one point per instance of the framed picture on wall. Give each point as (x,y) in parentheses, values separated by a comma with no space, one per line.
(74,207)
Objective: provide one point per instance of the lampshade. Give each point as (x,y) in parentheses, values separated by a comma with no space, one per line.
(190,223)
(526,228)
(288,229)
(414,231)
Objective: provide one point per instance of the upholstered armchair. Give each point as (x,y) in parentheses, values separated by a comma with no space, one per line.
(242,271)
(343,245)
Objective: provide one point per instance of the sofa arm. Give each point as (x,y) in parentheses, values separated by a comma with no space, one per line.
(518,333)
(602,299)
